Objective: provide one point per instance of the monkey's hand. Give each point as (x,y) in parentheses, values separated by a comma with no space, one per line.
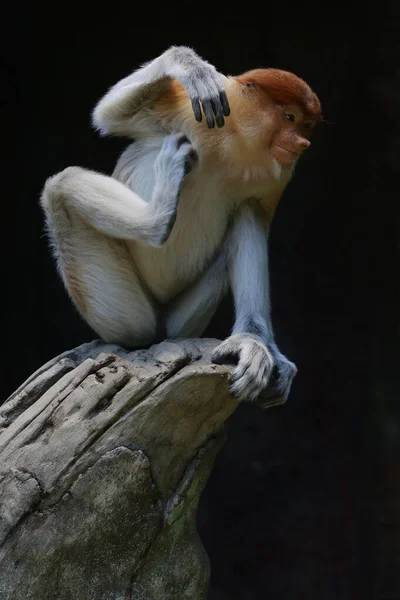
(256,363)
(281,378)
(202,82)
(175,160)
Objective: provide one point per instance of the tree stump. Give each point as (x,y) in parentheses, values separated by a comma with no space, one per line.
(103,456)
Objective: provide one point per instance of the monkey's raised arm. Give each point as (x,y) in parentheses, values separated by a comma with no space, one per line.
(118,112)
(252,339)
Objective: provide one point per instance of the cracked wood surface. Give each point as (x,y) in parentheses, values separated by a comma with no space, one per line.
(103,456)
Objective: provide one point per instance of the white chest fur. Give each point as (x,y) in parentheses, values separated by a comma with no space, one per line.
(202,218)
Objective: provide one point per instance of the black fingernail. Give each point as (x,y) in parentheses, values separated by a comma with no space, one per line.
(207,108)
(225,104)
(217,108)
(197,109)
(210,121)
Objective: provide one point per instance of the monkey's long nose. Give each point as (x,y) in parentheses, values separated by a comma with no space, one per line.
(302,143)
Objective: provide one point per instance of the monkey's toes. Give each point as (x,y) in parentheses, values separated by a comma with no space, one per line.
(190,160)
(226,353)
(181,138)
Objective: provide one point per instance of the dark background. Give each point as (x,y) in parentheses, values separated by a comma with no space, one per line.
(304,499)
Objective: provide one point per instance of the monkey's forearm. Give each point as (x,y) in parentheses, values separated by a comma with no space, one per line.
(117,111)
(252,338)
(249,277)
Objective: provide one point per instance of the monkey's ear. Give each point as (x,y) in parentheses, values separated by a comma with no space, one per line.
(249,85)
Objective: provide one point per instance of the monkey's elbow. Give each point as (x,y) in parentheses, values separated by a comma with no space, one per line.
(99,121)
(49,192)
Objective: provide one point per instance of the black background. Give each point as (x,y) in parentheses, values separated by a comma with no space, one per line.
(304,499)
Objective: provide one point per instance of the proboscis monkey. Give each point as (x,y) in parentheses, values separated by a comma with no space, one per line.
(149,252)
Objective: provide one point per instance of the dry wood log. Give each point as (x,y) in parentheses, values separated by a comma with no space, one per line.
(103,456)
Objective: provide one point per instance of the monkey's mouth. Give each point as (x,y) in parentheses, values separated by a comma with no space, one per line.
(284,155)
(287,150)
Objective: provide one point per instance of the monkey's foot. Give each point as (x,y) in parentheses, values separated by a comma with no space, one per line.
(257,366)
(176,159)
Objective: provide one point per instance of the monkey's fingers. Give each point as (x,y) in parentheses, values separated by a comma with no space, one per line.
(216,106)
(278,388)
(208,111)
(181,138)
(190,160)
(283,374)
(219,101)
(213,102)
(252,374)
(226,109)
(218,111)
(286,373)
(197,109)
(226,353)
(206,91)
(254,366)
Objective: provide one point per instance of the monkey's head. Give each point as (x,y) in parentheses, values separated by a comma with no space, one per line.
(276,113)
(273,115)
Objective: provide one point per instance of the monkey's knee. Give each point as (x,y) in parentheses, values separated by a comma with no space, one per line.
(56,187)
(57,209)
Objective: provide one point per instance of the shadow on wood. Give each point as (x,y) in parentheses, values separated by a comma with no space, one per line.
(104,454)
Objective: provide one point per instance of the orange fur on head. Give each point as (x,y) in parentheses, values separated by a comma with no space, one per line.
(256,146)
(284,88)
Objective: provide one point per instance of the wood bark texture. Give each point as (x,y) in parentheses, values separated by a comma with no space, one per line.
(103,456)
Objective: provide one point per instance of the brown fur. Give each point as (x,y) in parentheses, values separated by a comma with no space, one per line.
(283,87)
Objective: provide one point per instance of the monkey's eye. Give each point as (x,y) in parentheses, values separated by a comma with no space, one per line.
(289,116)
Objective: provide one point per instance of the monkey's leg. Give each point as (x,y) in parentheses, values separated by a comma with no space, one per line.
(189,314)
(113,209)
(100,278)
